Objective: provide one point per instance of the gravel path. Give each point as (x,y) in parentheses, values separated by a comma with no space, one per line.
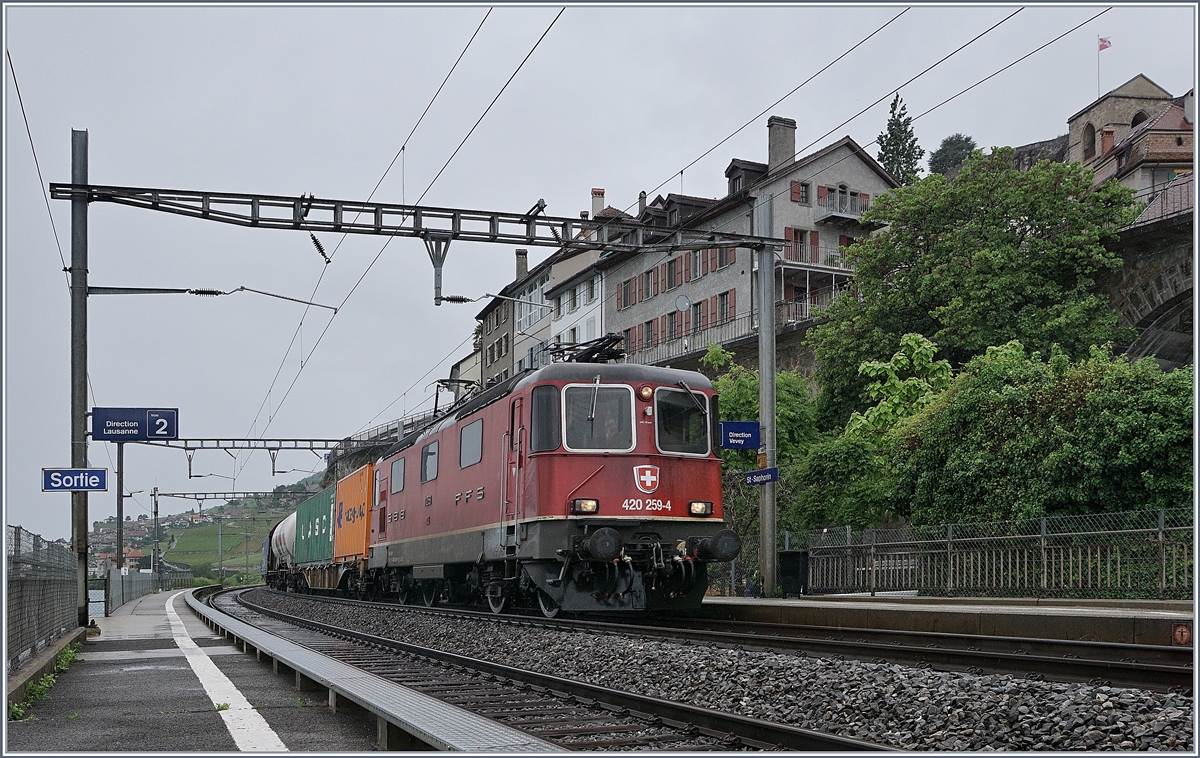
(900,706)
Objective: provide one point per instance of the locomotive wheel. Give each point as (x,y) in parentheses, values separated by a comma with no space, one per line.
(404,595)
(429,593)
(550,609)
(497,603)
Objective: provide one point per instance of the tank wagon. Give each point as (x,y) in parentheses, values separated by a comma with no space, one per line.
(585,487)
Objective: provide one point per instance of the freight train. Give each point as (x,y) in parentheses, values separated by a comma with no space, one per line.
(579,487)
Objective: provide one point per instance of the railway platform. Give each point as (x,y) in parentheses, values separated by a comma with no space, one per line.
(1145,622)
(157,679)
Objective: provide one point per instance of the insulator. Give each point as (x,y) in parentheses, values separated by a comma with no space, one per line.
(206,293)
(320,248)
(456,299)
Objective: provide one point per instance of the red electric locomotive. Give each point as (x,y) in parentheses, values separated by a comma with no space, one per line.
(578,487)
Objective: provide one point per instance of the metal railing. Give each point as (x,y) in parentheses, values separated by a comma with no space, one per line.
(829,257)
(120,588)
(698,339)
(841,204)
(42,593)
(1136,554)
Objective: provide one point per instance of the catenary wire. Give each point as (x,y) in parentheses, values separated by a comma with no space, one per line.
(612,295)
(427,189)
(37,165)
(321,277)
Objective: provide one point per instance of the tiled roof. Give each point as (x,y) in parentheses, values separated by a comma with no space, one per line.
(1170,117)
(1176,199)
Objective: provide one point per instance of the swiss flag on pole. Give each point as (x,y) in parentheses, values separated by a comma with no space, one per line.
(1105,43)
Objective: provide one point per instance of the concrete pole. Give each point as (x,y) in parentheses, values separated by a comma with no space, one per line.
(220,553)
(79,287)
(766,413)
(120,505)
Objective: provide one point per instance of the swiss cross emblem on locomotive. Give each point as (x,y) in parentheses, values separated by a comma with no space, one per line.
(646,478)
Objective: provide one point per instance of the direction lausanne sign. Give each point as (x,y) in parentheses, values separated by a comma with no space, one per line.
(135,424)
(74,480)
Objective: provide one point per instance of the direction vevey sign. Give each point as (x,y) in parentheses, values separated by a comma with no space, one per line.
(740,434)
(762,476)
(74,480)
(135,424)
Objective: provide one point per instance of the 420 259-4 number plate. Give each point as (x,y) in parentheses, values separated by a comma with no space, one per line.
(645,504)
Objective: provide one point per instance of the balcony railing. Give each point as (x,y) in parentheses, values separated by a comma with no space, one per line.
(786,313)
(838,204)
(829,257)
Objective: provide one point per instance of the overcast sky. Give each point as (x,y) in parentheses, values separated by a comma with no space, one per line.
(291,100)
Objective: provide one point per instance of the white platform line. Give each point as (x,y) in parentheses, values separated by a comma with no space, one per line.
(248,728)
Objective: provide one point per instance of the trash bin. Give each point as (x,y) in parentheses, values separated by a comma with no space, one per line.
(793,572)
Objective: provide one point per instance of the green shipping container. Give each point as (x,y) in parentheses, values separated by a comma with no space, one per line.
(314,529)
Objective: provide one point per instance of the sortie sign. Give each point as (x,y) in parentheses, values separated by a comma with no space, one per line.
(74,480)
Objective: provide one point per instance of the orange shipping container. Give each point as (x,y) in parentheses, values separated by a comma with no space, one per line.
(352,515)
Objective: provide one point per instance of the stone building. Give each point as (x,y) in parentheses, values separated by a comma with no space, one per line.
(1152,154)
(1094,130)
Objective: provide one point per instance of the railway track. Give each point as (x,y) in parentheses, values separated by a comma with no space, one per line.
(569,714)
(1152,667)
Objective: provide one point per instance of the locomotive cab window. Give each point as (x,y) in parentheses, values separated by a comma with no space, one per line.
(470,444)
(598,417)
(429,462)
(682,421)
(547,432)
(397,476)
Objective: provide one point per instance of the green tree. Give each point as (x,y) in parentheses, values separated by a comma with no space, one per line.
(795,431)
(898,149)
(953,151)
(1020,436)
(899,398)
(999,254)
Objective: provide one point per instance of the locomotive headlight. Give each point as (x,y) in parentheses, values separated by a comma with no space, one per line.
(646,392)
(700,508)
(585,505)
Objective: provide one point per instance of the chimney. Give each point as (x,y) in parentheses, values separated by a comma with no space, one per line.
(597,201)
(781,142)
(522,263)
(1189,106)
(1106,140)
(641,203)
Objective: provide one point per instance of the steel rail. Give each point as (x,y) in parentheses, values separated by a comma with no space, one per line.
(716,724)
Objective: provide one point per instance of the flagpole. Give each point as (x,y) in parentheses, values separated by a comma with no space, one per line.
(1097,66)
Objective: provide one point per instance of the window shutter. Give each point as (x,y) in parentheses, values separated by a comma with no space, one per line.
(654,281)
(789,234)
(687,322)
(712,309)
(687,267)
(641,295)
(795,191)
(732,303)
(662,277)
(843,240)
(864,200)
(814,245)
(822,191)
(703,262)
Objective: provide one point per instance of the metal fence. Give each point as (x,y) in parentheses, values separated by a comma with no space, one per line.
(42,593)
(121,588)
(1135,554)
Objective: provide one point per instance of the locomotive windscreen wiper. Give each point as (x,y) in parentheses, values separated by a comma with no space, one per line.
(592,414)
(699,405)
